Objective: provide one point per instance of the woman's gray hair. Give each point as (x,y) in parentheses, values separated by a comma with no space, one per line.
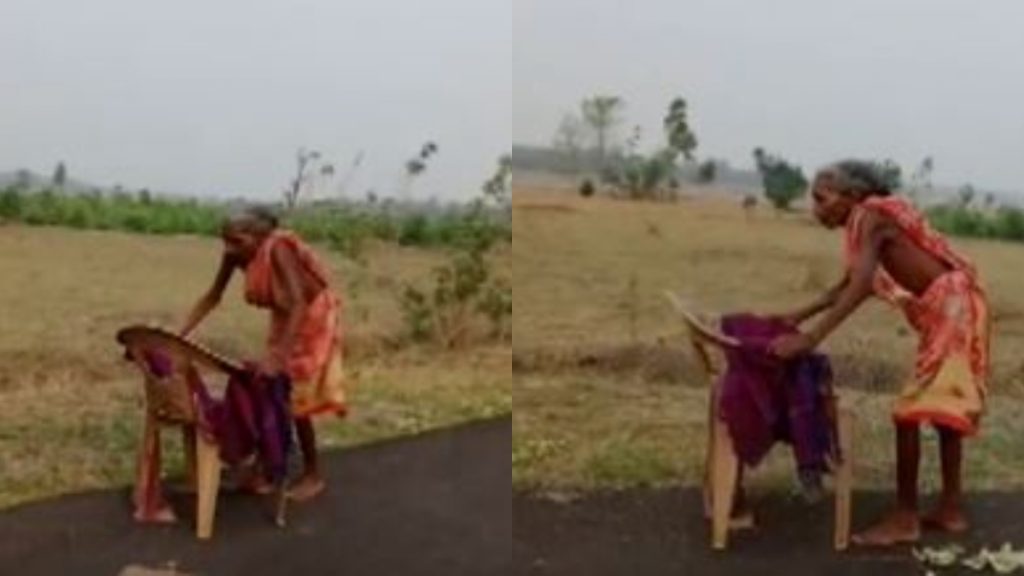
(252,220)
(856,178)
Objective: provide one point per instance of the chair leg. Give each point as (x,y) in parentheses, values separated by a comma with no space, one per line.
(844,480)
(709,455)
(723,489)
(208,484)
(147,496)
(188,436)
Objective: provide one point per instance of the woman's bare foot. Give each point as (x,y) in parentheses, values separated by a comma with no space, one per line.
(256,485)
(946,518)
(162,514)
(307,487)
(899,527)
(251,481)
(742,520)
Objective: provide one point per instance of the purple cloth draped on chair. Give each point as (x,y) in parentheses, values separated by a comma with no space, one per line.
(764,399)
(254,417)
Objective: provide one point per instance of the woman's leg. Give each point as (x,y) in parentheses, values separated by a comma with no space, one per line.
(949,514)
(902,523)
(311,483)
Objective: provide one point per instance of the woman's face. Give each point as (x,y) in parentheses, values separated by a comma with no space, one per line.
(240,246)
(831,208)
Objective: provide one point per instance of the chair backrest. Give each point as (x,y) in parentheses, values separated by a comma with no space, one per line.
(170,365)
(708,342)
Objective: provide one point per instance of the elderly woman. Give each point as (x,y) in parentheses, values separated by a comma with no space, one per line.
(892,253)
(283,276)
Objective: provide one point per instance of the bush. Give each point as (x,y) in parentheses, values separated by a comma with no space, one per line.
(415,231)
(783,182)
(1007,223)
(345,228)
(462,289)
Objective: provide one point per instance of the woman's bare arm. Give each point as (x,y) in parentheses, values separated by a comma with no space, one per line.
(824,302)
(212,298)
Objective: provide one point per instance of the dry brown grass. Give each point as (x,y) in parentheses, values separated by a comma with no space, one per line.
(599,358)
(69,407)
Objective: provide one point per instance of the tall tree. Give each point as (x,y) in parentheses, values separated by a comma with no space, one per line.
(417,165)
(783,182)
(921,179)
(677,129)
(22,178)
(60,175)
(570,136)
(307,167)
(602,114)
(966,195)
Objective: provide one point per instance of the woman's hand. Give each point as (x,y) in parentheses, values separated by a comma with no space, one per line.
(793,319)
(792,345)
(270,366)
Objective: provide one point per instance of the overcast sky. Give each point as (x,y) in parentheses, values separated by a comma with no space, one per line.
(811,79)
(214,96)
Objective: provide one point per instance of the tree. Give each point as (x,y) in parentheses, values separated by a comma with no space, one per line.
(677,129)
(707,171)
(23,179)
(650,176)
(498,188)
(602,114)
(783,182)
(641,176)
(417,165)
(307,166)
(60,175)
(921,179)
(966,195)
(570,137)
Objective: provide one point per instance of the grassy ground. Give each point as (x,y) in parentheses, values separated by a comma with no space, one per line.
(70,408)
(606,395)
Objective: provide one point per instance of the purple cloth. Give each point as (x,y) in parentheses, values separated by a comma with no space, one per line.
(764,399)
(254,417)
(158,363)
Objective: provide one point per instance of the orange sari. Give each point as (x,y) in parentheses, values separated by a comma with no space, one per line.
(314,362)
(951,318)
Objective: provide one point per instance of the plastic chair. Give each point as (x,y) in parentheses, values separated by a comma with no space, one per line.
(173,391)
(722,465)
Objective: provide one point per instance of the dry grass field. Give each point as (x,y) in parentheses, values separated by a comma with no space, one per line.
(606,394)
(70,407)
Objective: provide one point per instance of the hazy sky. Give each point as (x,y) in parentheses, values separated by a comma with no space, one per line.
(214,96)
(812,79)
